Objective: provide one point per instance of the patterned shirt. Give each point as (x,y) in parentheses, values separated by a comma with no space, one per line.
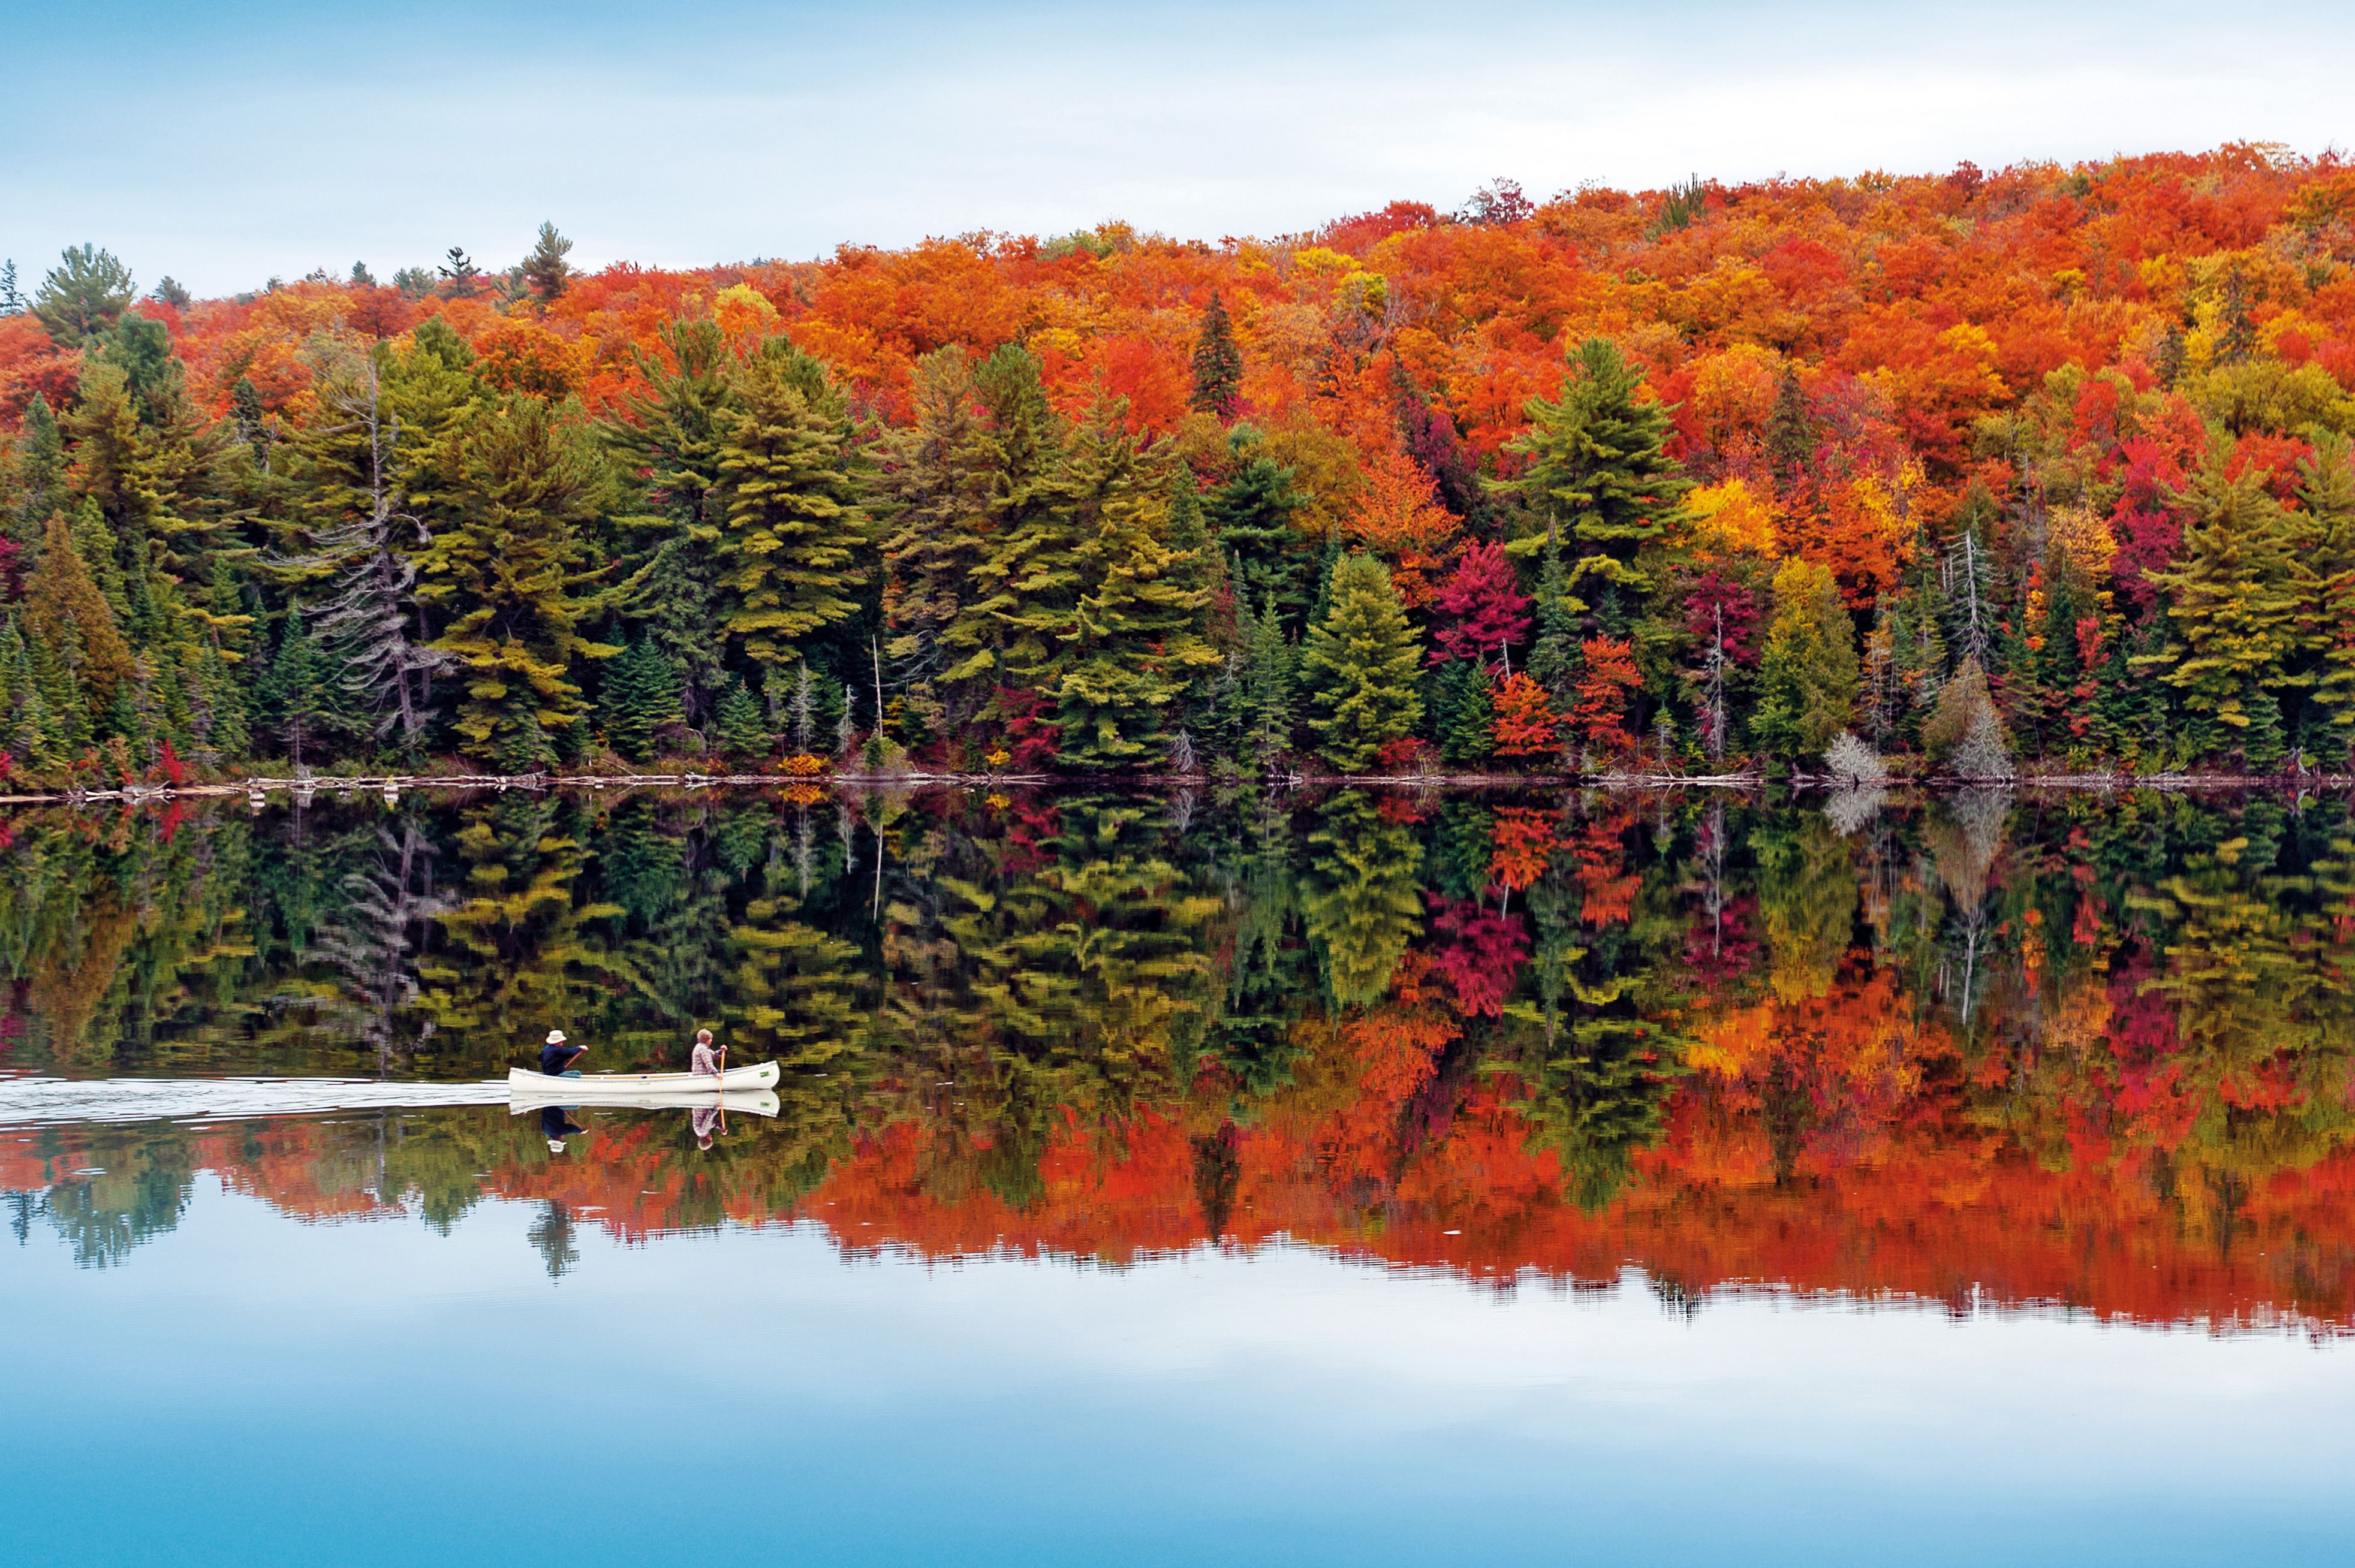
(707,1057)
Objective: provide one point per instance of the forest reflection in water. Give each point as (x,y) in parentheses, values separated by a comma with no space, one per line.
(1987,1051)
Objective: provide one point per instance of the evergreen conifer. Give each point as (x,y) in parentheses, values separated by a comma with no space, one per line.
(1218,363)
(1250,515)
(795,524)
(508,576)
(1358,667)
(1807,677)
(1597,458)
(742,728)
(641,697)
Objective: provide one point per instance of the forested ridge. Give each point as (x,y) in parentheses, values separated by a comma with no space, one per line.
(2046,466)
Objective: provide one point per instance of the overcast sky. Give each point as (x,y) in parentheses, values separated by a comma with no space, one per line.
(228,143)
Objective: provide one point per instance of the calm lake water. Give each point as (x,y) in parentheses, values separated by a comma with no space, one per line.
(1342,1179)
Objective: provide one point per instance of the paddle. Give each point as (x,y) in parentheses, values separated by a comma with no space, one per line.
(722,1086)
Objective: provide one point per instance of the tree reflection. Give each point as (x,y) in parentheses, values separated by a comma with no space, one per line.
(2072,1050)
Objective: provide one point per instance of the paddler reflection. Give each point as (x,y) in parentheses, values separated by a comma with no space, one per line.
(556,1124)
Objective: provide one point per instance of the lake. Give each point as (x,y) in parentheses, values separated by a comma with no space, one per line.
(1251,1177)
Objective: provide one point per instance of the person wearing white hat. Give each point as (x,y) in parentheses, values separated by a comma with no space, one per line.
(556,1057)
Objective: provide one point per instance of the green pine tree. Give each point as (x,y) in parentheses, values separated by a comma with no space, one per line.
(988,639)
(83,295)
(1116,609)
(640,698)
(1358,667)
(743,728)
(297,703)
(1250,515)
(795,522)
(546,269)
(508,576)
(1807,676)
(1218,363)
(1597,461)
(1269,670)
(2233,603)
(936,489)
(2326,585)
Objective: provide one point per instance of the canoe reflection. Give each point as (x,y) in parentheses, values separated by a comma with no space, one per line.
(705,1113)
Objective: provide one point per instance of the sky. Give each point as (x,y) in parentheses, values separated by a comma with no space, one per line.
(229,142)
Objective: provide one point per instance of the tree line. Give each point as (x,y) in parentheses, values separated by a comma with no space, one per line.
(443,547)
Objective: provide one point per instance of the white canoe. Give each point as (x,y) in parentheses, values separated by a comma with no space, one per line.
(668,1085)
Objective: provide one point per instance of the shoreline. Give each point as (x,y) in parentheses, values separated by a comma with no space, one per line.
(391,785)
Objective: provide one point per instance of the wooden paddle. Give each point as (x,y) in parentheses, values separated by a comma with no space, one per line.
(722,1086)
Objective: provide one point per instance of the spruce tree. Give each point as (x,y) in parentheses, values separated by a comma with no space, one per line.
(936,490)
(508,576)
(546,269)
(742,728)
(296,702)
(1358,667)
(1463,710)
(2233,606)
(640,698)
(225,733)
(83,295)
(1269,670)
(12,298)
(1597,461)
(1554,657)
(2326,594)
(1218,363)
(1250,515)
(1790,433)
(58,661)
(66,611)
(1807,677)
(795,527)
(23,715)
(1198,567)
(40,477)
(1122,621)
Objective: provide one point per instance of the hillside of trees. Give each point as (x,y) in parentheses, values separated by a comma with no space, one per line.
(2046,466)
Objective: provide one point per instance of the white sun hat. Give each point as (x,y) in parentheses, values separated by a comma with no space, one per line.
(556,1037)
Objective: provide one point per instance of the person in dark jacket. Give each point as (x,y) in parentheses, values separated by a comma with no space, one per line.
(556,1057)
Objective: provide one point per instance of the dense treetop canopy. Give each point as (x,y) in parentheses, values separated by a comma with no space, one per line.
(2036,418)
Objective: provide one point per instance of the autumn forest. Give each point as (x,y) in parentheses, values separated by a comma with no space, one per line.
(1966,475)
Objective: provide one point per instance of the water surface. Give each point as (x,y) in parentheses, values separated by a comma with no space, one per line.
(1352,1179)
